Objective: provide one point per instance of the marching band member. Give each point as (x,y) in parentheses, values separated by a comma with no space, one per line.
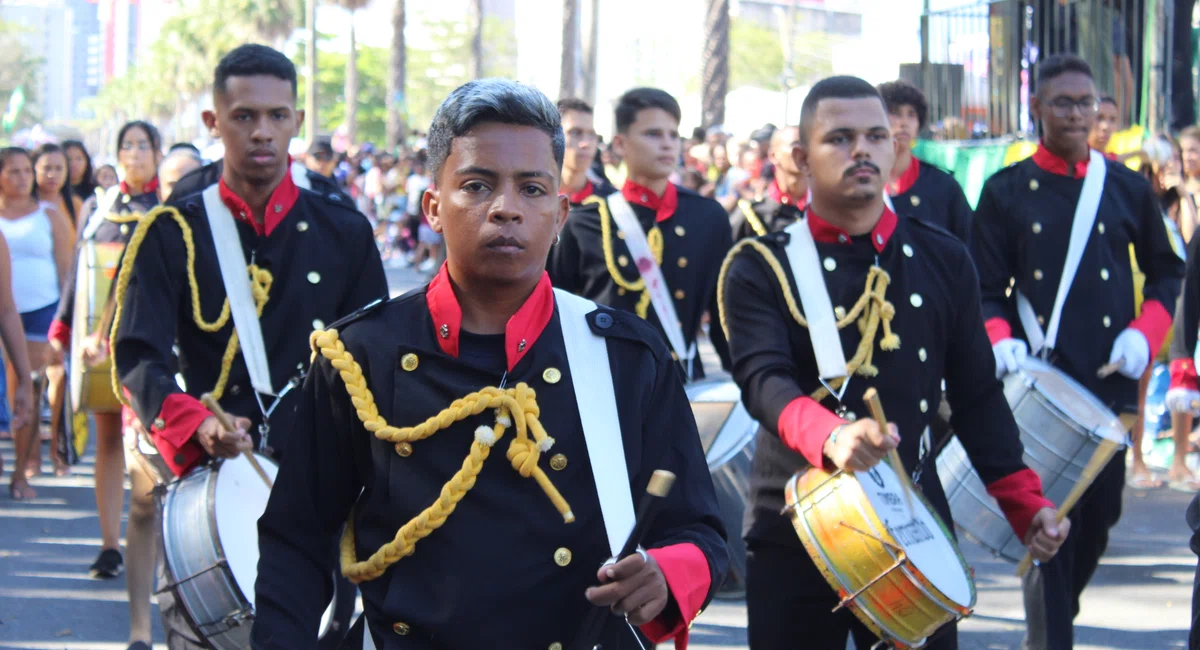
(1022,233)
(920,301)
(461,554)
(653,248)
(918,189)
(117,213)
(579,127)
(787,195)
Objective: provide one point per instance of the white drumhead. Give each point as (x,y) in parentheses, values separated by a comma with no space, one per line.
(927,546)
(239,500)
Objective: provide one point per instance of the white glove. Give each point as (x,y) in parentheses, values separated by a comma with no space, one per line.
(1132,346)
(1183,400)
(1010,356)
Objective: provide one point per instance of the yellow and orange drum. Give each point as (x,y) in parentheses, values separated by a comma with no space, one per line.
(894,566)
(91,386)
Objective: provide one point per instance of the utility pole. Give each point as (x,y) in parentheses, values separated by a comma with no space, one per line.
(310,99)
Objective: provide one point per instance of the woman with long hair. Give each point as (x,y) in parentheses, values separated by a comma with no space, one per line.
(39,242)
(50,182)
(106,176)
(118,211)
(79,169)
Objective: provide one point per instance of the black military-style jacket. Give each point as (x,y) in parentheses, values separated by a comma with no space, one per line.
(936,197)
(196,180)
(599,187)
(324,264)
(766,216)
(696,239)
(503,570)
(110,231)
(1021,232)
(935,294)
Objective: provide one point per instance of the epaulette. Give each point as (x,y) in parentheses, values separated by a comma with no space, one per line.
(334,196)
(608,322)
(361,313)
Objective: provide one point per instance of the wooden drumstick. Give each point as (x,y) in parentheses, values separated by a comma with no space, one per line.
(871,397)
(1104,452)
(1109,368)
(227,422)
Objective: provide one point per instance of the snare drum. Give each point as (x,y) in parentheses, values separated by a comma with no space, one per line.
(1060,423)
(897,569)
(727,434)
(210,557)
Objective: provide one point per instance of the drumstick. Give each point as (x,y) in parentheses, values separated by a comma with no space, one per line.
(661,482)
(227,422)
(1109,368)
(871,397)
(1104,452)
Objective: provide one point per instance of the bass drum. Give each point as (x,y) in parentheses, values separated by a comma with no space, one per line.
(727,434)
(209,560)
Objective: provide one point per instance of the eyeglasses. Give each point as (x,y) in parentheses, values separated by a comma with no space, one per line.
(1061,106)
(135,146)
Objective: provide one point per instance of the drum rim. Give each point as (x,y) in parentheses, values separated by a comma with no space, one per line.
(1033,384)
(915,575)
(745,438)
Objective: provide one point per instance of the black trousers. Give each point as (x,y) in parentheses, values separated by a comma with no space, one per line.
(789,605)
(1052,590)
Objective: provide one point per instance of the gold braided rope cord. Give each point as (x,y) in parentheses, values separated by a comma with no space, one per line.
(870,311)
(752,217)
(514,407)
(260,287)
(128,217)
(654,239)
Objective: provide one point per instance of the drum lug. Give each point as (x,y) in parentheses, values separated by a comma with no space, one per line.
(227,623)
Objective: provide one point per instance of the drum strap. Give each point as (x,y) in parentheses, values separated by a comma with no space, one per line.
(814,299)
(1081,230)
(103,207)
(656,285)
(597,402)
(300,176)
(237,286)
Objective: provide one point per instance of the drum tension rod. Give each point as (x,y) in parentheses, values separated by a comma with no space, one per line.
(219,564)
(901,560)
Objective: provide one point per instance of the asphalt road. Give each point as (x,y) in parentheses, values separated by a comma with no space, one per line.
(1138,600)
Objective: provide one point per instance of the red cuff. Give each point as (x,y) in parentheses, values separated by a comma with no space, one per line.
(1154,323)
(1183,374)
(804,426)
(1020,497)
(688,579)
(998,329)
(180,416)
(61,332)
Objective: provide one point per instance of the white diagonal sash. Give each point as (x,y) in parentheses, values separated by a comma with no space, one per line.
(104,206)
(660,294)
(814,299)
(1081,229)
(300,176)
(587,356)
(237,286)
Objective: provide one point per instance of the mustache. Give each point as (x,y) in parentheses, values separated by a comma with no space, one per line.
(506,241)
(863,164)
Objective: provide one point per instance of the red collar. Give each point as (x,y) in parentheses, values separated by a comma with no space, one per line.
(282,200)
(152,186)
(521,332)
(827,233)
(663,206)
(579,196)
(1109,155)
(1056,165)
(907,179)
(776,194)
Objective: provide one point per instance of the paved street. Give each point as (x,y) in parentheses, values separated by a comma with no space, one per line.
(1138,600)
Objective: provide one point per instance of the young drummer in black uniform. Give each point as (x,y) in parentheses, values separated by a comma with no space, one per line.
(918,189)
(1023,224)
(508,551)
(683,234)
(923,297)
(787,195)
(312,260)
(579,127)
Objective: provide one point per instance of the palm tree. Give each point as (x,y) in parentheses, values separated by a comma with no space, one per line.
(570,49)
(312,123)
(715,73)
(351,91)
(396,78)
(264,20)
(475,63)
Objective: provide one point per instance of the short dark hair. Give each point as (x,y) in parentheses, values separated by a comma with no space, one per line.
(899,93)
(1060,64)
(186,146)
(148,128)
(574,104)
(640,99)
(496,101)
(1108,99)
(839,87)
(251,60)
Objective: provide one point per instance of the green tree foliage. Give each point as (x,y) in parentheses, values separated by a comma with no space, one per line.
(756,56)
(19,68)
